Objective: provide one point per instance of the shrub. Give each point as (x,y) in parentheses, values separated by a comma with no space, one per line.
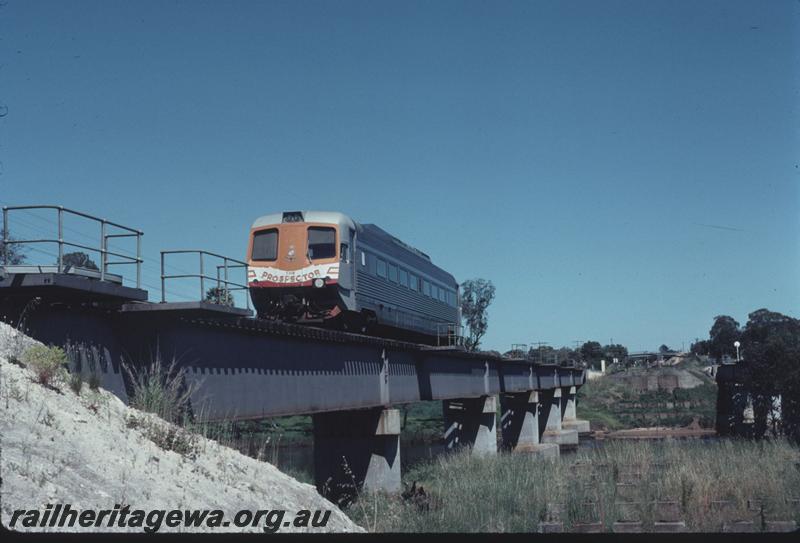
(171,438)
(46,362)
(76,382)
(94,380)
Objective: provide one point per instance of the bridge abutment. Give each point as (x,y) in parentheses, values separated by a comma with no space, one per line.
(470,422)
(570,420)
(553,431)
(358,449)
(519,424)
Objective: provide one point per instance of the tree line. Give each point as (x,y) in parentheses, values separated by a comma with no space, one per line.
(769,360)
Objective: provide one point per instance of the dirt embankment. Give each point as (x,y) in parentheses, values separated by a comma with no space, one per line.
(92,452)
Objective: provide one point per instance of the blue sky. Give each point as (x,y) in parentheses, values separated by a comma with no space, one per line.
(622,170)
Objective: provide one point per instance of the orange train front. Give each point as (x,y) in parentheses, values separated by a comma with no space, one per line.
(323,267)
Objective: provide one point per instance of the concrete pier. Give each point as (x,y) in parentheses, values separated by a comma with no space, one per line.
(553,431)
(519,424)
(357,449)
(569,418)
(470,422)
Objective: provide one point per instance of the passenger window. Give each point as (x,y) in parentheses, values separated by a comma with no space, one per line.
(393,273)
(321,242)
(403,277)
(413,282)
(442,295)
(381,268)
(426,288)
(434,292)
(265,245)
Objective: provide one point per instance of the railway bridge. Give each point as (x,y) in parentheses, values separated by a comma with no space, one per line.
(240,367)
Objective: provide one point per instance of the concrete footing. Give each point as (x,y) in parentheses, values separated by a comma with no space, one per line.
(357,449)
(564,438)
(470,422)
(580,426)
(553,432)
(360,449)
(569,418)
(519,420)
(545,450)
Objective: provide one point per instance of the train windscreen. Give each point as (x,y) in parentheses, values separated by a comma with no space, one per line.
(321,242)
(265,245)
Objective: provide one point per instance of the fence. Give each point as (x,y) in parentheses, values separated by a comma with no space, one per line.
(119,231)
(227,265)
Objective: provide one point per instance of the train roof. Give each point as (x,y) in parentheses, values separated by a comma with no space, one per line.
(329,217)
(383,241)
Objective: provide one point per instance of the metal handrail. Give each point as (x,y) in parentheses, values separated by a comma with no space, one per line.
(103,248)
(450,331)
(202,276)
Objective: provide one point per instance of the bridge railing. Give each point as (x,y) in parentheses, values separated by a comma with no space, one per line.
(449,335)
(117,231)
(224,285)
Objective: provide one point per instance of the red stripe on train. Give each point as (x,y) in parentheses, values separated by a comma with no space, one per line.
(270,284)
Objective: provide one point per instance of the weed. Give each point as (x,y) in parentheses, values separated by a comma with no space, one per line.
(94,380)
(160,389)
(76,382)
(48,419)
(171,438)
(46,362)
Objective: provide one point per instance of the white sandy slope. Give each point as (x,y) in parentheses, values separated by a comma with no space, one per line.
(61,448)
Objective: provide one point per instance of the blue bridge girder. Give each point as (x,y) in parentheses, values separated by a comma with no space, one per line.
(245,368)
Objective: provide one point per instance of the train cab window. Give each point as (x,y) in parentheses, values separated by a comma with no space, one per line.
(321,242)
(344,252)
(392,273)
(381,269)
(426,288)
(403,277)
(413,282)
(265,245)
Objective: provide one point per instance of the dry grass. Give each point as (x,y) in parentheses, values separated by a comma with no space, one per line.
(160,389)
(513,492)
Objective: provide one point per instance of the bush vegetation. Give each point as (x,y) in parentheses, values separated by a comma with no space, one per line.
(47,362)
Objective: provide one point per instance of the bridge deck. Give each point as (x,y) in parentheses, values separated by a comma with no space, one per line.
(65,286)
(250,368)
(191,309)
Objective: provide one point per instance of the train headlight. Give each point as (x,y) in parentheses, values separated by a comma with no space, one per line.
(318,282)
